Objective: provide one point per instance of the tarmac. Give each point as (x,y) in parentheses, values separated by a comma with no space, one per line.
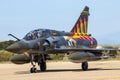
(98,70)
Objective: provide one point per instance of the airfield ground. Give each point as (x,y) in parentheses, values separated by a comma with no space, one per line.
(100,70)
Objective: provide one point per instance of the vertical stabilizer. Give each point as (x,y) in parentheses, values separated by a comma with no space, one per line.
(81,26)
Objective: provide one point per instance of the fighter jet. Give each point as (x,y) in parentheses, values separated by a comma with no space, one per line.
(38,44)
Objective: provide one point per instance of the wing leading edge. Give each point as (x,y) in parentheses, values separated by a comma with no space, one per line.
(84,49)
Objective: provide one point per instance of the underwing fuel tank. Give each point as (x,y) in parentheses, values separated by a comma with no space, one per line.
(79,57)
(20,58)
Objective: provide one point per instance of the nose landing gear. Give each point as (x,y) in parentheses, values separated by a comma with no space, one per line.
(41,62)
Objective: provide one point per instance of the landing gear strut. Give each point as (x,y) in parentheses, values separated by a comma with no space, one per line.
(84,66)
(33,69)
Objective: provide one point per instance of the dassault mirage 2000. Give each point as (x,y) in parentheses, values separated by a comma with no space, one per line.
(36,46)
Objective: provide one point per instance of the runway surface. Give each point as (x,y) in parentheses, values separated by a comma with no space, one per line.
(100,70)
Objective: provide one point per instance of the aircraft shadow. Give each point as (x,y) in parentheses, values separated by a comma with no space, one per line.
(67,70)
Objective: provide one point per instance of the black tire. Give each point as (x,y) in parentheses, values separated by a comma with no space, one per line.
(33,70)
(43,66)
(85,66)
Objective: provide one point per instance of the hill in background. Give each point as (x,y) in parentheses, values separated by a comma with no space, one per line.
(109,39)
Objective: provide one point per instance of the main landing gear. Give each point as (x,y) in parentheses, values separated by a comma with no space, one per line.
(40,59)
(43,65)
(84,66)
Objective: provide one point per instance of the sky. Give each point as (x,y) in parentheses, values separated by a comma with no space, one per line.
(18,17)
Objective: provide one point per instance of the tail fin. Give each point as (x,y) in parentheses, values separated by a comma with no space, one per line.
(81,26)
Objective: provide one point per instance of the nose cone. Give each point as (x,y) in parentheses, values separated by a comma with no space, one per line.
(13,48)
(17,47)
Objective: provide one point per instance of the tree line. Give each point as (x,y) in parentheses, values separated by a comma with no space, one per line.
(5,55)
(5,44)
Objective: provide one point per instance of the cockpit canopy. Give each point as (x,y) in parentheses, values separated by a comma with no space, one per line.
(38,33)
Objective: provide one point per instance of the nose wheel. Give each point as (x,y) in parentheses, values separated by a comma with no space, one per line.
(33,70)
